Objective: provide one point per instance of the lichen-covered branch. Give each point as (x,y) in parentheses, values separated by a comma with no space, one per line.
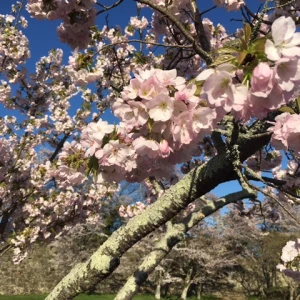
(195,184)
(175,233)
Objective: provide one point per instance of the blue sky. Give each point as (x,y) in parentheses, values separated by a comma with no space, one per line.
(42,37)
(42,33)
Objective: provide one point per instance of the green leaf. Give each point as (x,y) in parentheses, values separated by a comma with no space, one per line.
(235,44)
(92,166)
(227,50)
(198,90)
(258,45)
(244,44)
(286,109)
(150,124)
(222,59)
(247,32)
(241,57)
(298,104)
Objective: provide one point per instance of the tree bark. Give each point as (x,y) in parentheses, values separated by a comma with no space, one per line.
(158,288)
(292,291)
(195,184)
(174,234)
(185,291)
(187,284)
(199,291)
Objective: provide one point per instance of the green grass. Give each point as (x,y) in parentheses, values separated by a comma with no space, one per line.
(103,297)
(94,297)
(23,297)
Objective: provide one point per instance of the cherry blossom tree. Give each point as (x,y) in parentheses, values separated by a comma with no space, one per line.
(223,106)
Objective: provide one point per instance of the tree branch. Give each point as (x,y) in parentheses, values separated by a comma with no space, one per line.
(204,42)
(198,182)
(59,147)
(175,233)
(107,8)
(203,54)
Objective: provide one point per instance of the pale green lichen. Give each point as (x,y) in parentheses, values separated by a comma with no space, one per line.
(195,184)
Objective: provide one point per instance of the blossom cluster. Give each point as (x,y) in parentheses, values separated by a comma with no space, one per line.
(160,115)
(264,161)
(286,132)
(43,195)
(290,257)
(77,17)
(14,51)
(131,210)
(271,87)
(291,176)
(230,4)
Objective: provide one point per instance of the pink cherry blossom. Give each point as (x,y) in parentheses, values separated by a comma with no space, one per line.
(221,92)
(230,4)
(262,80)
(144,147)
(290,251)
(182,129)
(164,148)
(287,73)
(161,108)
(285,40)
(169,78)
(98,130)
(202,118)
(286,132)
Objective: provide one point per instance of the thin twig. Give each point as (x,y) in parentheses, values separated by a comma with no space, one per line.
(254,16)
(107,8)
(276,200)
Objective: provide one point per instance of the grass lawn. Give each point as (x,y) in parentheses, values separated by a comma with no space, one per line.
(93,297)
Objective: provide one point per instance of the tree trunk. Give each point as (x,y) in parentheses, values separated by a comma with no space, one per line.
(274,278)
(292,291)
(165,290)
(199,291)
(187,284)
(185,291)
(158,286)
(157,291)
(262,292)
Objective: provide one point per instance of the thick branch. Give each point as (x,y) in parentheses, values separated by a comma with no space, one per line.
(195,184)
(204,42)
(218,142)
(175,233)
(5,217)
(59,147)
